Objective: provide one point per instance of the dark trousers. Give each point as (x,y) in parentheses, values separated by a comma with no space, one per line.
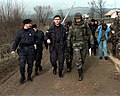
(57,54)
(38,56)
(94,49)
(26,55)
(114,43)
(69,56)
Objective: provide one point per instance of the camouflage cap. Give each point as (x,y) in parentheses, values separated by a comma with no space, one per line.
(77,15)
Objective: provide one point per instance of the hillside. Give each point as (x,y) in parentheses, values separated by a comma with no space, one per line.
(82,10)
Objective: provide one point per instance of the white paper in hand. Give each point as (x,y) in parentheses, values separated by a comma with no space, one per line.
(48,41)
(90,52)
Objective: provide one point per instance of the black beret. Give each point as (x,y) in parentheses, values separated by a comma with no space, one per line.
(27,21)
(34,26)
(92,20)
(57,16)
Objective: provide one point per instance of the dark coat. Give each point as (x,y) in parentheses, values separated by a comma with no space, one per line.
(24,38)
(40,39)
(51,34)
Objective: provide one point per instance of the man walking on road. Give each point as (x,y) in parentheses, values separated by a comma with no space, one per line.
(78,36)
(38,48)
(56,38)
(102,38)
(25,39)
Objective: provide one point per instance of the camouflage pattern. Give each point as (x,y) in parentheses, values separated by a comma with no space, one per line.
(118,41)
(118,50)
(116,37)
(78,36)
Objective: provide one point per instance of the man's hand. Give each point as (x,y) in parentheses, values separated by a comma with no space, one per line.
(48,41)
(90,52)
(35,46)
(13,53)
(113,32)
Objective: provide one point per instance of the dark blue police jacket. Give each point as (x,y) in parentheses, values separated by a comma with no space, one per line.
(24,38)
(51,34)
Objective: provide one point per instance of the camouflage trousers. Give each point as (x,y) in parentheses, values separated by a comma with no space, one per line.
(114,47)
(79,55)
(118,50)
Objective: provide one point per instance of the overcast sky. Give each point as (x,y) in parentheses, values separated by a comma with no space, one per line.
(63,4)
(67,3)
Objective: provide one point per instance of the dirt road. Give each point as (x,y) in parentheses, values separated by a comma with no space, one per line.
(101,78)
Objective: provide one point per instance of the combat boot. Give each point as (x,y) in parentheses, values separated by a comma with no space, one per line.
(22,79)
(80,72)
(29,78)
(36,70)
(69,68)
(40,68)
(54,70)
(60,74)
(106,58)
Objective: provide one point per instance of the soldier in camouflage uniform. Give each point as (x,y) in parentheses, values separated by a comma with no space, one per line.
(118,44)
(116,36)
(78,36)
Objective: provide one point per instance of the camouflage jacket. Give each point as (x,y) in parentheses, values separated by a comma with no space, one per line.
(79,34)
(116,27)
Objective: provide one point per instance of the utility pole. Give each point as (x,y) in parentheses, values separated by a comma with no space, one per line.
(67,14)
(115,4)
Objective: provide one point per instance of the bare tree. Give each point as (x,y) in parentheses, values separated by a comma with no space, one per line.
(11,14)
(98,7)
(43,13)
(92,9)
(61,13)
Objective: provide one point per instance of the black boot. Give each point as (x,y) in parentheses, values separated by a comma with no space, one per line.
(80,72)
(29,78)
(60,74)
(36,70)
(40,68)
(106,57)
(22,79)
(69,68)
(54,71)
(55,68)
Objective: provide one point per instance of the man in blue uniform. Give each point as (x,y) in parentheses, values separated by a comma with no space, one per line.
(25,39)
(39,48)
(56,37)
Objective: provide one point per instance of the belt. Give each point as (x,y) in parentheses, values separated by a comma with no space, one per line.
(26,45)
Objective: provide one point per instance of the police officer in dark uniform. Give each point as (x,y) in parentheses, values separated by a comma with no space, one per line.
(93,27)
(39,48)
(56,37)
(25,39)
